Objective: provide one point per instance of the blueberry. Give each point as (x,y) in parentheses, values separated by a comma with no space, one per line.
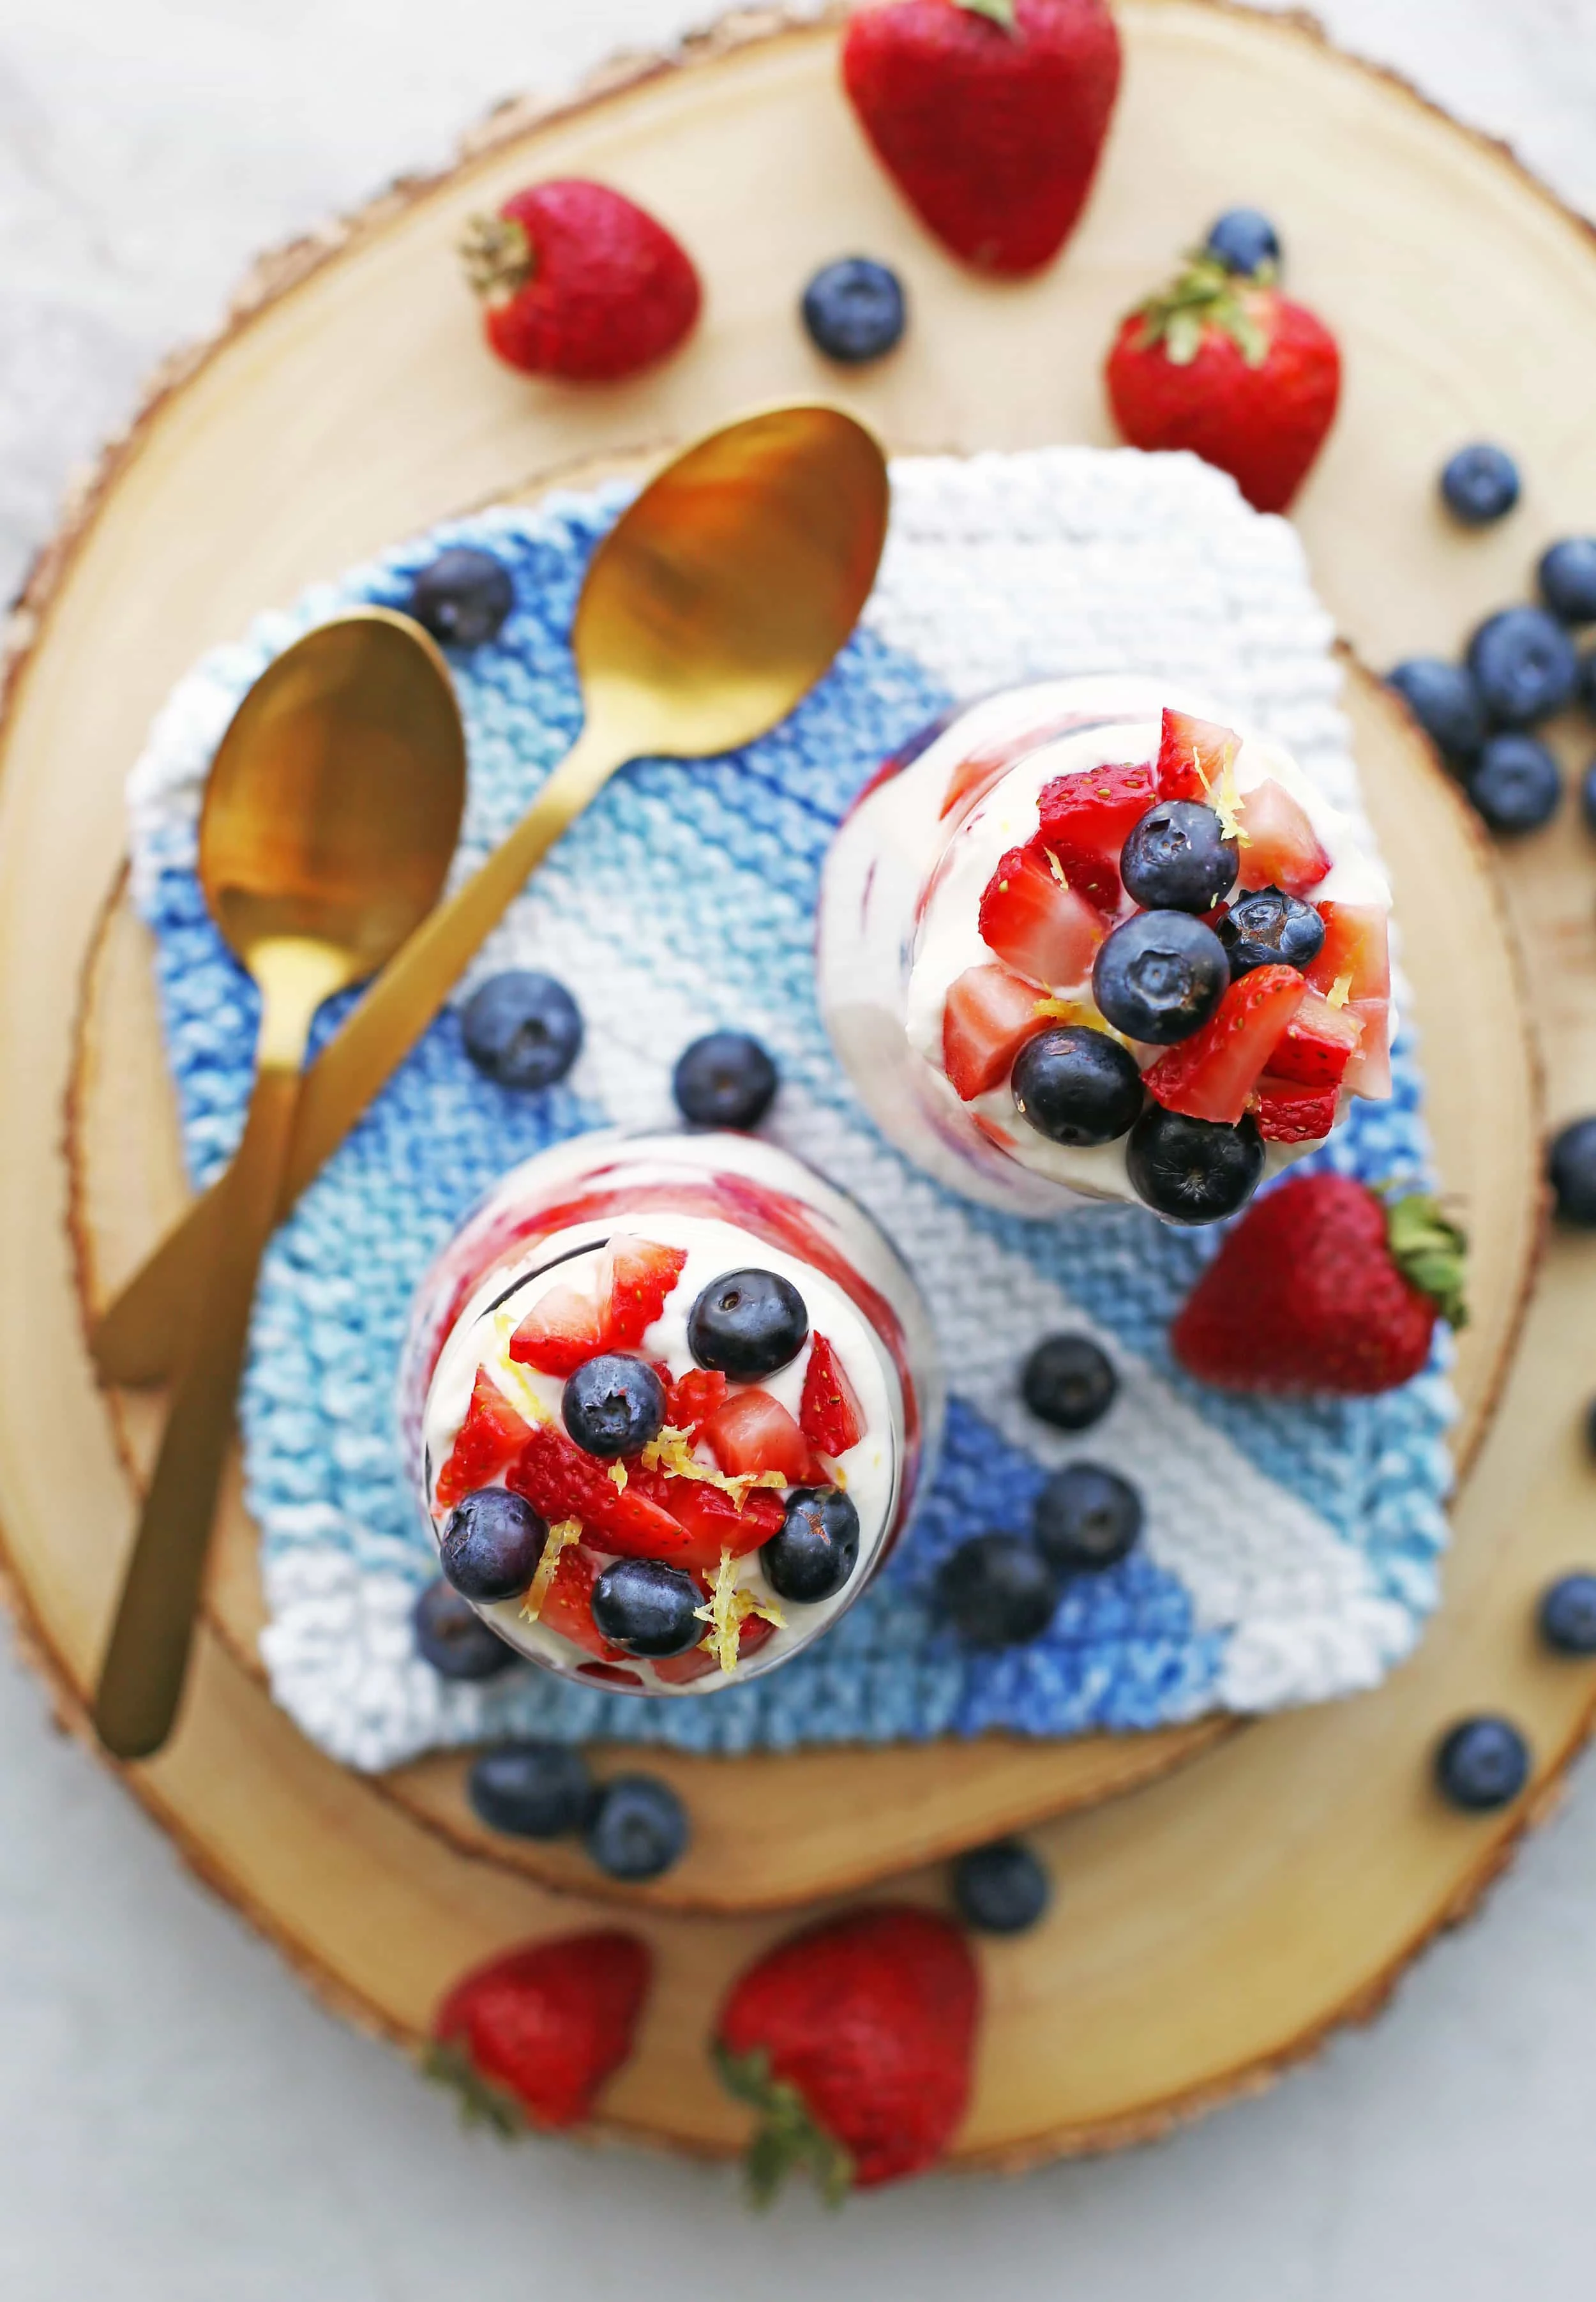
(1270,928)
(1480,483)
(1591,1428)
(1587,796)
(1087,1518)
(725,1080)
(747,1324)
(1524,666)
(1193,1171)
(997,1591)
(532,1790)
(648,1608)
(638,1827)
(1001,1889)
(1568,1615)
(1572,1165)
(1515,783)
(1444,699)
(453,1637)
(1566,575)
(462,597)
(1160,977)
(613,1405)
(1481,1764)
(1587,681)
(1243,241)
(1177,859)
(817,1548)
(1077,1086)
(855,310)
(522,1029)
(491,1544)
(1069,1382)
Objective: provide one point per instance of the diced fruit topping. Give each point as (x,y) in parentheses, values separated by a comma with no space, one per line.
(815,1548)
(1356,952)
(700,1661)
(728,1606)
(725,1079)
(1086,816)
(1210,1075)
(1317,1044)
(522,1029)
(491,1544)
(635,1277)
(562,1330)
(1279,846)
(1193,757)
(1034,923)
(533,2035)
(567,1606)
(1077,1086)
(1192,1171)
(646,1606)
(491,1435)
(613,1405)
(829,1413)
(637,1830)
(712,1523)
(692,1398)
(1087,1518)
(1160,977)
(1288,1113)
(753,1433)
(563,1483)
(1268,929)
(1369,1072)
(989,1015)
(1179,858)
(748,1324)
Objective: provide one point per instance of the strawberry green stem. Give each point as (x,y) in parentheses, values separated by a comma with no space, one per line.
(497,255)
(1204,294)
(787,2137)
(1431,1252)
(999,11)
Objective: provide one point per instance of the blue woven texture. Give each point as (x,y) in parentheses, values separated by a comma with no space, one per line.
(708,876)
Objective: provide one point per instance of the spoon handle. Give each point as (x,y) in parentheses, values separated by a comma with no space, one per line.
(141,1678)
(138,1340)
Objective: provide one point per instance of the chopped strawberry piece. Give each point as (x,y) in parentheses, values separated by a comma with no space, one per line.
(1036,923)
(1193,754)
(829,1415)
(1211,1074)
(1085,819)
(491,1434)
(711,1522)
(989,1016)
(560,1482)
(1369,1073)
(1317,1045)
(568,1605)
(1281,848)
(753,1431)
(1356,949)
(559,1333)
(1286,1112)
(634,1277)
(681,1670)
(690,1402)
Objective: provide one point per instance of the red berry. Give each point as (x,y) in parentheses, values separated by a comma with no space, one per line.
(681,1670)
(991,116)
(535,2033)
(1317,1044)
(1193,755)
(1280,848)
(988,1017)
(1036,923)
(711,1521)
(829,1415)
(561,1483)
(1322,1287)
(491,1434)
(1085,819)
(1211,1074)
(635,1278)
(753,1433)
(1355,951)
(562,1331)
(580,282)
(692,1398)
(567,1606)
(869,2018)
(1288,1113)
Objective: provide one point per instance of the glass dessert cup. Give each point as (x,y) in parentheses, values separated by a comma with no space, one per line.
(1010,933)
(748,1467)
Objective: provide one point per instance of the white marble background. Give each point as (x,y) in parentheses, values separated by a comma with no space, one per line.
(178,2122)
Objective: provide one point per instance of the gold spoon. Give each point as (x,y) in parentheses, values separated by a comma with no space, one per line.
(709,611)
(330,817)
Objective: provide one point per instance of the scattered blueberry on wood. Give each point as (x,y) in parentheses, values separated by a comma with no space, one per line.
(1069,1382)
(531,1789)
(1566,575)
(1444,699)
(522,1029)
(1572,1166)
(725,1079)
(1479,485)
(1514,785)
(855,310)
(1568,1615)
(1243,241)
(638,1828)
(1001,1889)
(1587,796)
(1524,666)
(462,597)
(1483,1764)
(453,1638)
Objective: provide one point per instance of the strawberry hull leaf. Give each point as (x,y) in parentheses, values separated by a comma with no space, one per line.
(787,2139)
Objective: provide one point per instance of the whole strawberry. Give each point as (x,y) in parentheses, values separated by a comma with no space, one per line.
(1323,1286)
(854,2041)
(1226,365)
(579,282)
(531,2036)
(989,113)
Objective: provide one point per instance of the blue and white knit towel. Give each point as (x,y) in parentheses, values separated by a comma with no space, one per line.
(1290,1551)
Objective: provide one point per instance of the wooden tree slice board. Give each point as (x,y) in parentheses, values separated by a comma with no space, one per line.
(1213,1927)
